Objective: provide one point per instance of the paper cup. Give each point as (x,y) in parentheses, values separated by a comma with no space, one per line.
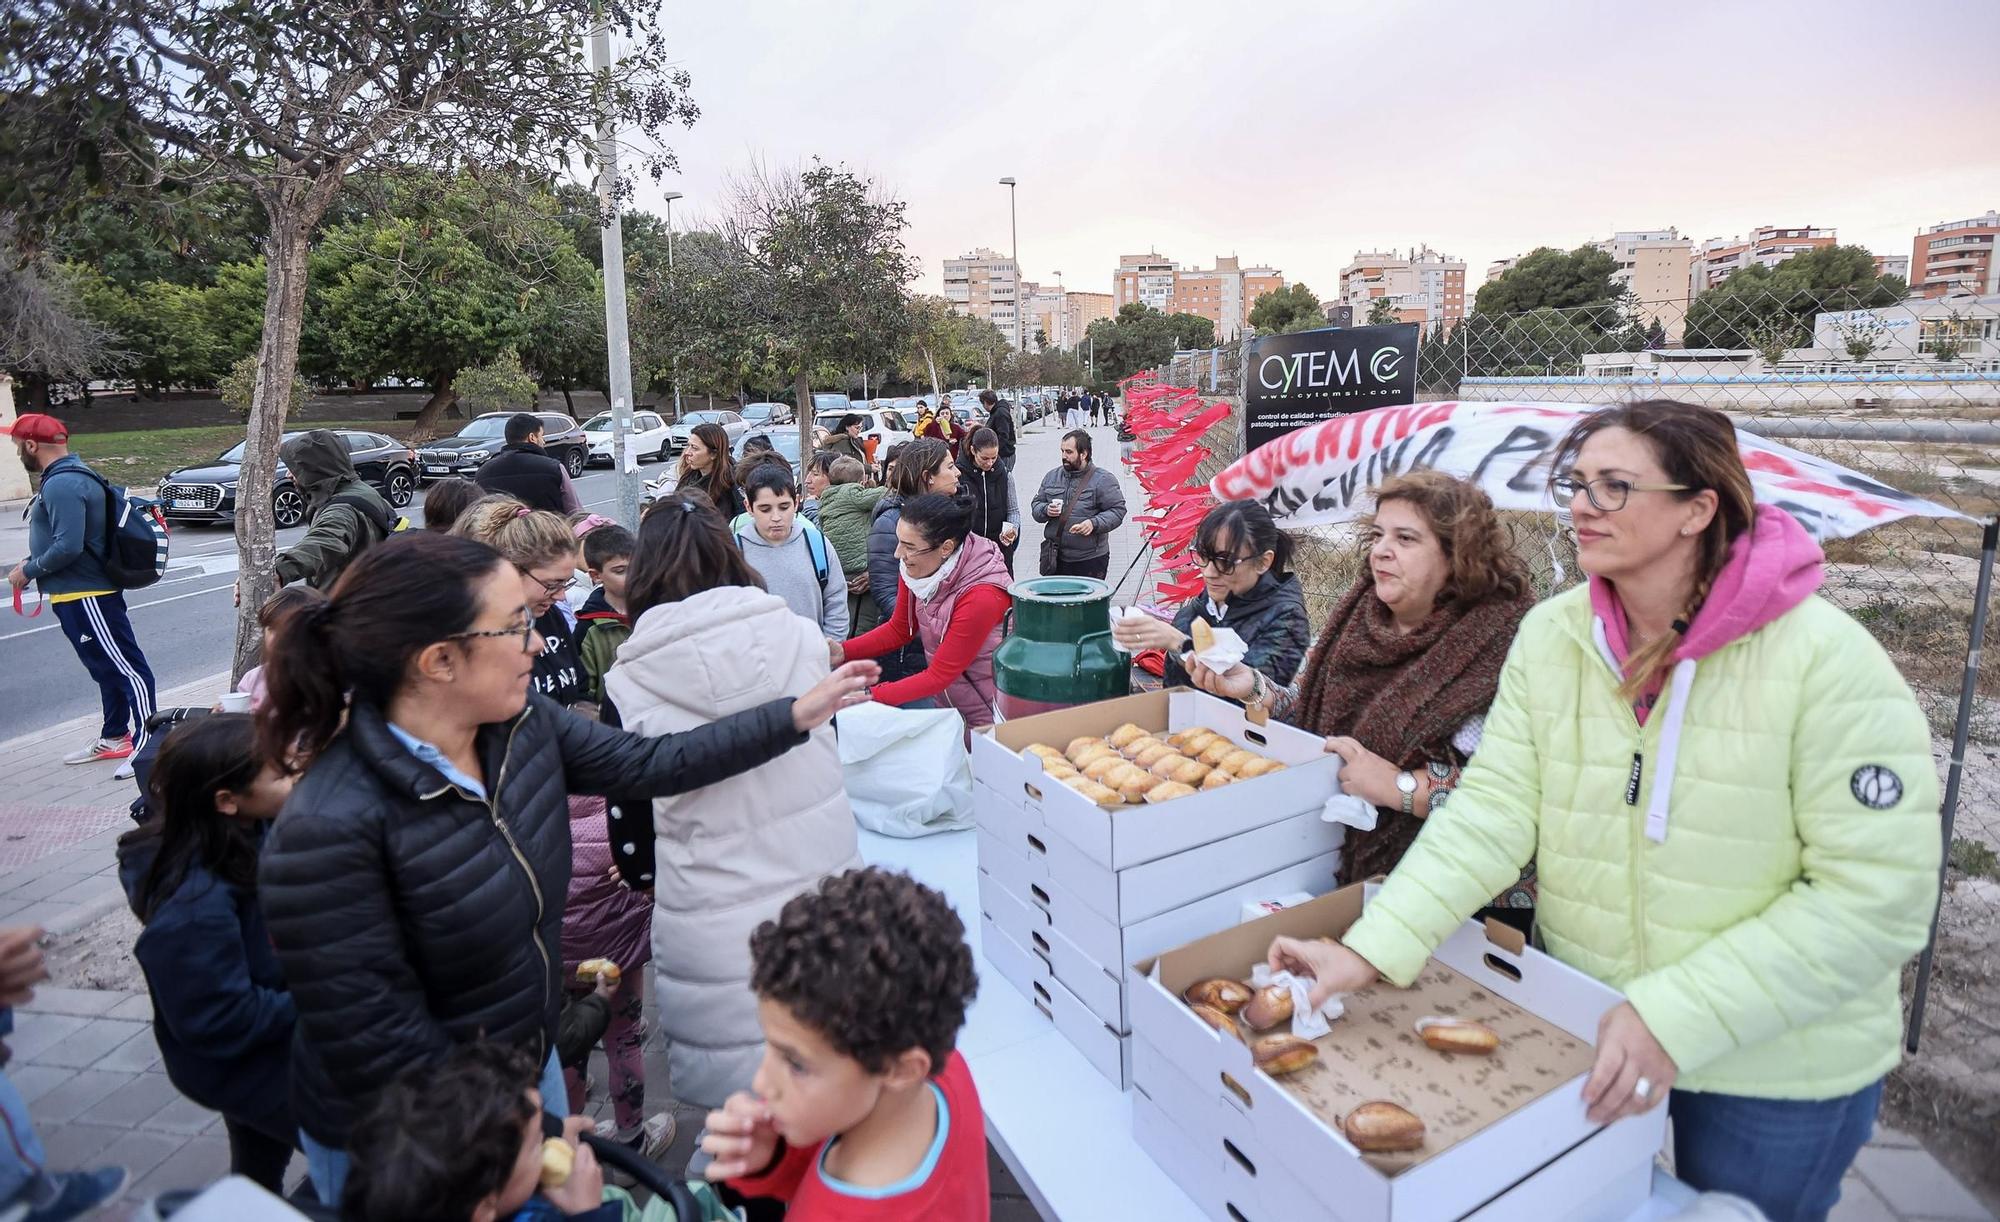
(236,702)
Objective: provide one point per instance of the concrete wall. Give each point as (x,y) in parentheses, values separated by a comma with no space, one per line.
(13,477)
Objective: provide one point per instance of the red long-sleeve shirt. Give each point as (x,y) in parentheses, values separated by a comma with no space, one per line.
(976,613)
(950,1184)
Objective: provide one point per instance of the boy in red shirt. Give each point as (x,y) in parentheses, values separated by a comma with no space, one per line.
(861,1110)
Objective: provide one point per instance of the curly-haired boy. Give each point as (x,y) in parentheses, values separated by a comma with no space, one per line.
(861,1108)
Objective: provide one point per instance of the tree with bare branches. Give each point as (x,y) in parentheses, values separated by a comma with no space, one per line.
(290,101)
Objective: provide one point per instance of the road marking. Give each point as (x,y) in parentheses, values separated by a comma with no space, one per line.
(133,607)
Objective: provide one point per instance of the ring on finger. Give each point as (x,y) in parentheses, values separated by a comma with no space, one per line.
(1642,1090)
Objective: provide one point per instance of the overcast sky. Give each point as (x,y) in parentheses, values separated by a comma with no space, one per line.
(1294,134)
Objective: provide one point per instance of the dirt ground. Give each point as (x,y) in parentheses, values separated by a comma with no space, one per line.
(98,956)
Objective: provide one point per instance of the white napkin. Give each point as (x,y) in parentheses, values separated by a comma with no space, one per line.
(1307,1023)
(1118,613)
(1229,649)
(1348,809)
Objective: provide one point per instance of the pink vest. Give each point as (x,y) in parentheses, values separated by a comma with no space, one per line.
(980,564)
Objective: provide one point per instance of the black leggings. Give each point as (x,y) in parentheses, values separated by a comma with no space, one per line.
(257,1155)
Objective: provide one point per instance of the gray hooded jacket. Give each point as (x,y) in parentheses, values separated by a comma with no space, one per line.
(321,467)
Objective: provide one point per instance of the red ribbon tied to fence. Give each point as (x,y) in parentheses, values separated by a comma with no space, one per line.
(1169,422)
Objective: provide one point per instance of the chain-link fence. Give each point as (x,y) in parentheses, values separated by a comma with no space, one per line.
(1904,392)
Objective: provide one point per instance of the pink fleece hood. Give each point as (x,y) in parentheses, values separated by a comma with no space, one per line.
(1772,567)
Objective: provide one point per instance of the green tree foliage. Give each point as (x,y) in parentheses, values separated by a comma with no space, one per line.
(1285,310)
(238,387)
(1383,310)
(1141,337)
(1773,307)
(47,332)
(703,320)
(498,385)
(1546,278)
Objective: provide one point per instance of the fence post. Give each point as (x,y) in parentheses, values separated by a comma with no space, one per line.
(1960,733)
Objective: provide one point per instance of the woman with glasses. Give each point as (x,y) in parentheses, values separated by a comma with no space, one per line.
(1247,588)
(543,548)
(707,639)
(1730,792)
(919,468)
(413,885)
(951,594)
(1407,663)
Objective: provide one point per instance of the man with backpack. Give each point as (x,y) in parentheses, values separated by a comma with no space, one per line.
(348,516)
(70,525)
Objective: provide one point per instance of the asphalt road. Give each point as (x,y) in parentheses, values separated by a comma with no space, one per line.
(185,624)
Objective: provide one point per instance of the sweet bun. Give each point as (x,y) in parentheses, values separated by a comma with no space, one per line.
(1167,791)
(1188,772)
(1234,761)
(1215,752)
(1124,734)
(1044,750)
(1216,779)
(1124,773)
(1134,789)
(1180,737)
(1383,1127)
(1165,765)
(1059,769)
(1133,748)
(1153,755)
(1097,750)
(1199,741)
(1096,768)
(1079,743)
(1100,794)
(1260,766)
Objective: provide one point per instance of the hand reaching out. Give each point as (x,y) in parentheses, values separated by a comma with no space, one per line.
(847,685)
(1333,967)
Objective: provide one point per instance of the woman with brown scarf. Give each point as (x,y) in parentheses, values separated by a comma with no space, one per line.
(1408,662)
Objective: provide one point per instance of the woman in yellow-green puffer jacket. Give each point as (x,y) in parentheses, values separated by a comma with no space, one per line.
(1728,791)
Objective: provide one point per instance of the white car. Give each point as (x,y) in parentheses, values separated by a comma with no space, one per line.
(650,437)
(887,427)
(733,427)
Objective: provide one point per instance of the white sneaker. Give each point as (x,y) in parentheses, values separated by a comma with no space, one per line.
(649,1140)
(123,772)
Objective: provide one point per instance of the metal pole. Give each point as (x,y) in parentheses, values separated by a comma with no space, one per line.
(1014,246)
(618,342)
(1982,595)
(671,197)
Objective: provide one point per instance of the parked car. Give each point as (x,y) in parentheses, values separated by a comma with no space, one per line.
(830,401)
(733,425)
(889,428)
(208,493)
(467,451)
(763,415)
(650,437)
(785,441)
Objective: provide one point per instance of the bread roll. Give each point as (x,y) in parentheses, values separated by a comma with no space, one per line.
(1234,761)
(1079,743)
(1097,750)
(1042,749)
(1124,773)
(1167,791)
(1216,779)
(1134,788)
(589,970)
(1095,792)
(1221,992)
(1458,1035)
(1268,1006)
(1381,1128)
(1260,766)
(1059,769)
(1132,749)
(1124,734)
(1179,737)
(1216,752)
(1282,1054)
(1096,768)
(1200,741)
(558,1159)
(1153,755)
(1187,772)
(1218,1019)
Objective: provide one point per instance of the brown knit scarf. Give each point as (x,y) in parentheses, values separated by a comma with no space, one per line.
(1403,697)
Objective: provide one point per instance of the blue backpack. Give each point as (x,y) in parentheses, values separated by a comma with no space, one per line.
(135,535)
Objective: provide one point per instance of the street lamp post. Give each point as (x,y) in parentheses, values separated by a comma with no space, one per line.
(671,197)
(618,342)
(1014,235)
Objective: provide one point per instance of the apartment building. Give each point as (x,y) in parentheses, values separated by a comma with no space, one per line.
(986,284)
(1956,257)
(1425,286)
(1893,265)
(1653,264)
(1082,309)
(1720,258)
(1147,278)
(1223,294)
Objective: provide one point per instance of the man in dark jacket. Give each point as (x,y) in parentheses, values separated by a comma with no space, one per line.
(348,516)
(1081,504)
(996,514)
(66,554)
(1000,418)
(522,469)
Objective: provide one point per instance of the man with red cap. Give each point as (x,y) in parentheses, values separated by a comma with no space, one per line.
(66,554)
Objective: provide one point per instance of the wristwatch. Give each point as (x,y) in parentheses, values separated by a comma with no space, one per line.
(1406,784)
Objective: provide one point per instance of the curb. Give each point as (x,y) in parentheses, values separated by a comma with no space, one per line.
(84,914)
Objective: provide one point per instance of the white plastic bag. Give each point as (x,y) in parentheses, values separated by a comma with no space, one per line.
(907,770)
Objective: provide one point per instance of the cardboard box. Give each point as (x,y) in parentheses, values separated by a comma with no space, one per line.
(1108,1051)
(1497,1126)
(1120,838)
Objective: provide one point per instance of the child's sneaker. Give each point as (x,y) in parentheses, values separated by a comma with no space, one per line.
(649,1141)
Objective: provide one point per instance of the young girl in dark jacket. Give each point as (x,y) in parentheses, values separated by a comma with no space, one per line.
(221,1012)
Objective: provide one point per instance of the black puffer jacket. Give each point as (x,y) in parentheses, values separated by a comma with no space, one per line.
(414,916)
(527,473)
(1271,619)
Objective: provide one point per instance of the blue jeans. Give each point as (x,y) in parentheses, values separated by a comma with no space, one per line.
(1785,1155)
(22,1162)
(327,1167)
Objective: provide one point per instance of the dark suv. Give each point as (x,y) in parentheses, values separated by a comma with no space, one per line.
(208,493)
(465,453)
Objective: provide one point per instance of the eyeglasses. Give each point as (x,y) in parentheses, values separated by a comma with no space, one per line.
(553,587)
(1222,564)
(526,632)
(904,549)
(1607,493)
